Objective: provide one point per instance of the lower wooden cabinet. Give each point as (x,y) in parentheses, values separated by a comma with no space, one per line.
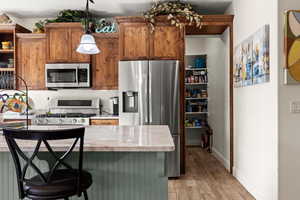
(104,122)
(31,60)
(105,64)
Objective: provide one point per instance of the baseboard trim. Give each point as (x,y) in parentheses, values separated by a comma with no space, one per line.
(250,187)
(221,158)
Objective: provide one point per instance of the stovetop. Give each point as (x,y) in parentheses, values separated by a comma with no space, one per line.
(66,115)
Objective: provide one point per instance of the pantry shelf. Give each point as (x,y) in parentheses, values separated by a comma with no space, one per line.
(7,69)
(190,98)
(196,83)
(200,127)
(195,113)
(7,50)
(195,69)
(196,97)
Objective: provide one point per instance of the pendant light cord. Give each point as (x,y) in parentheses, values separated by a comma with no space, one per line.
(87,17)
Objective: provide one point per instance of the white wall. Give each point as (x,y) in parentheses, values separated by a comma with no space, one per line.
(215,48)
(28,23)
(256,107)
(226,41)
(289,136)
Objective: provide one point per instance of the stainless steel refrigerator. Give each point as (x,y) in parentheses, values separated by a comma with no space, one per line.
(149,95)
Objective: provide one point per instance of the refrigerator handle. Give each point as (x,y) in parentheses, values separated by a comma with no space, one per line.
(143,98)
(150,98)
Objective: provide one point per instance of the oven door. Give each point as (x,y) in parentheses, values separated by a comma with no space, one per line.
(67,75)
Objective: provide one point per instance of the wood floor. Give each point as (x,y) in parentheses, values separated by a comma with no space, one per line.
(206,179)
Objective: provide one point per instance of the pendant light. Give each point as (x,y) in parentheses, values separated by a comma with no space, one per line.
(87,43)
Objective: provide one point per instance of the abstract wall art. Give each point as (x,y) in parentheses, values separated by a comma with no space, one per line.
(252,59)
(292,46)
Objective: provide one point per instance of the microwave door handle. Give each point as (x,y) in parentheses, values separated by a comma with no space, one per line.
(77,75)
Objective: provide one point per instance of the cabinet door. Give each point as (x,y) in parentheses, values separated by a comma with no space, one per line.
(105,64)
(31,59)
(58,45)
(166,42)
(134,41)
(76,34)
(104,122)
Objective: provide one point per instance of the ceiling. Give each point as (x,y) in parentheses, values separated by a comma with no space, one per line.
(50,8)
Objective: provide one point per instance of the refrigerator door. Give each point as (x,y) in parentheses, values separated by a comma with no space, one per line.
(133,92)
(164,94)
(164,107)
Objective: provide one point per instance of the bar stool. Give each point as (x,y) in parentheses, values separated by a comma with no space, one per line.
(62,180)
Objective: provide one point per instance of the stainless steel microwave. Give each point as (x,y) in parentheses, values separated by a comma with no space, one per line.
(75,75)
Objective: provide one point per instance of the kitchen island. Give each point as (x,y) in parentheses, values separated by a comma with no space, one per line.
(126,162)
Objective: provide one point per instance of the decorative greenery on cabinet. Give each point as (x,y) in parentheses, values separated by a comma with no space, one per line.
(174,10)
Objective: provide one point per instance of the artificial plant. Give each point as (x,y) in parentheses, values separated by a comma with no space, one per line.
(63,16)
(174,10)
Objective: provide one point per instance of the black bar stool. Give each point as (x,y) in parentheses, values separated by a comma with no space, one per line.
(61,181)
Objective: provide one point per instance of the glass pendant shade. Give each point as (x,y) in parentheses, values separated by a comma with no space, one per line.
(87,45)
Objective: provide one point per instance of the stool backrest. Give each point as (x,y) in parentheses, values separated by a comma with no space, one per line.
(42,137)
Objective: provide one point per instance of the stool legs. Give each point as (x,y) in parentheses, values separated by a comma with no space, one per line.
(85,195)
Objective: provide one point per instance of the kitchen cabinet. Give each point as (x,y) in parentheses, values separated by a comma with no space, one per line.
(137,42)
(62,42)
(31,59)
(105,64)
(8,54)
(166,42)
(76,34)
(134,41)
(104,122)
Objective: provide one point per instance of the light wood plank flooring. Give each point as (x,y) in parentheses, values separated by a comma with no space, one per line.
(206,179)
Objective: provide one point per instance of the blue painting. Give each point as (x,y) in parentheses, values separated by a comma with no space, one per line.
(261,56)
(252,59)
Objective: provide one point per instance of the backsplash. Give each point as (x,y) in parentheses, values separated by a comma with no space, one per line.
(41,98)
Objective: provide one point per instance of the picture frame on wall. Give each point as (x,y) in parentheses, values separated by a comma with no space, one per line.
(261,55)
(252,59)
(292,47)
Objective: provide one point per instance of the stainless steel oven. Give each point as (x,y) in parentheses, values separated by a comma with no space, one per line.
(75,75)
(69,110)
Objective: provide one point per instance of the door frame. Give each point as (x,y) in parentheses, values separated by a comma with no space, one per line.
(214,25)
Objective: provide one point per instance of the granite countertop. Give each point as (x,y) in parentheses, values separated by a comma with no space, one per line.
(110,139)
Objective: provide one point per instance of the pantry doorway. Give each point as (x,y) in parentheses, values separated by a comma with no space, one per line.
(208,88)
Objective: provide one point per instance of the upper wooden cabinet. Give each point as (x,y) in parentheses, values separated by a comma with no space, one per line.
(134,41)
(105,64)
(31,60)
(76,34)
(137,42)
(166,42)
(62,41)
